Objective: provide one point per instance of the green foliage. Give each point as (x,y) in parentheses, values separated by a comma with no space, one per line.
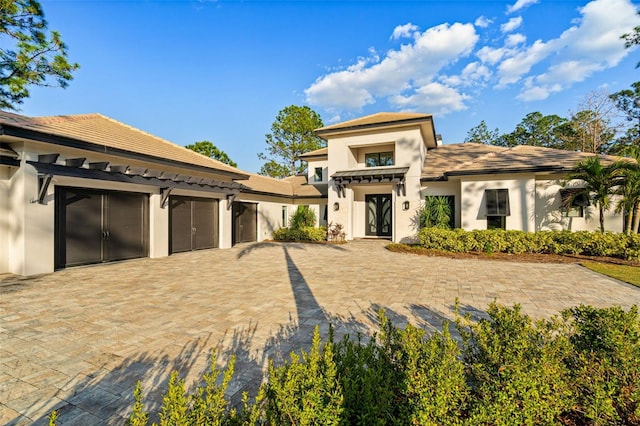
(138,417)
(303,217)
(30,55)
(53,417)
(482,134)
(303,234)
(305,391)
(554,242)
(437,212)
(578,368)
(516,369)
(604,364)
(292,134)
(535,129)
(208,149)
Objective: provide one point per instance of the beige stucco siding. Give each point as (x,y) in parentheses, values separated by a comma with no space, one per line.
(549,216)
(521,200)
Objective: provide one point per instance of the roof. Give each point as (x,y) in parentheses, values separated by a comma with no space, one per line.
(385,120)
(290,187)
(322,152)
(476,159)
(96,131)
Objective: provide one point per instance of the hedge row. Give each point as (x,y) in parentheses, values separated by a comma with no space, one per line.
(308,233)
(556,242)
(581,368)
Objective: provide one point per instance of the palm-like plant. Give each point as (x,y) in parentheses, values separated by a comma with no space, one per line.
(599,181)
(630,192)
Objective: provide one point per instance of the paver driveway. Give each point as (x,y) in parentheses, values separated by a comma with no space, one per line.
(78,340)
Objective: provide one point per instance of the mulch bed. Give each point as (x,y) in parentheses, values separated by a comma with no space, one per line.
(507,257)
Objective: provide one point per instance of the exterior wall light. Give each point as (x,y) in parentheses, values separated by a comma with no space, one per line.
(405,205)
(336,206)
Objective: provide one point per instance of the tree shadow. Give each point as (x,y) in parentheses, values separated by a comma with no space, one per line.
(105,396)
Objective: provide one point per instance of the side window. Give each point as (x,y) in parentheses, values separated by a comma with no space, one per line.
(497,206)
(285,216)
(317,176)
(574,200)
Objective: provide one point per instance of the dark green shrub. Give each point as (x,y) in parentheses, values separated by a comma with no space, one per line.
(516,369)
(510,241)
(301,234)
(605,364)
(304,217)
(437,212)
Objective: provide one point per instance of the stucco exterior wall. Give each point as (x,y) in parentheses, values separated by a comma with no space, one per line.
(348,153)
(521,200)
(549,216)
(311,171)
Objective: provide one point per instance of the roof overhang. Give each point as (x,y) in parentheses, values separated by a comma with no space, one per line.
(427,128)
(496,171)
(19,132)
(370,176)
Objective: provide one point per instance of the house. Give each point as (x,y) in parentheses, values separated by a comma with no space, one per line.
(84,189)
(380,168)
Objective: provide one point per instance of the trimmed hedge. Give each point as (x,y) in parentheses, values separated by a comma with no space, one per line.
(308,233)
(580,368)
(555,242)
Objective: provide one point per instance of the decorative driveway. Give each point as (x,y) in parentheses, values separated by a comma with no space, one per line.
(78,340)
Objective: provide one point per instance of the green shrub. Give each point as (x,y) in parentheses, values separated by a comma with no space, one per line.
(304,217)
(555,242)
(579,368)
(301,234)
(437,212)
(516,369)
(605,364)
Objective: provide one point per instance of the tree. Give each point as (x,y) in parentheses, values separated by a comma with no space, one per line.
(292,134)
(593,125)
(482,134)
(632,39)
(599,182)
(629,192)
(628,102)
(29,55)
(538,130)
(210,150)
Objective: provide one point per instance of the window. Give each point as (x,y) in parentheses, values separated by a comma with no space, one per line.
(317,176)
(574,200)
(497,205)
(497,202)
(285,216)
(378,159)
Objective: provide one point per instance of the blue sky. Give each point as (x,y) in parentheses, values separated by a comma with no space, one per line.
(221,70)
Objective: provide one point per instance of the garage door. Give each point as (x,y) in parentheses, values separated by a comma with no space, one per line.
(245,222)
(193,223)
(93,226)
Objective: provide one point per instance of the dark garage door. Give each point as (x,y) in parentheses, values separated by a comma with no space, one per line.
(245,222)
(95,226)
(193,223)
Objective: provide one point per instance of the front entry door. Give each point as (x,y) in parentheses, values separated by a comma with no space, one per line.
(379,215)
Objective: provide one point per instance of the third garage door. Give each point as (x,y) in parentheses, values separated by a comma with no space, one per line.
(193,223)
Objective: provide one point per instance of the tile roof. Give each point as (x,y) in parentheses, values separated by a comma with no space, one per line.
(102,131)
(292,186)
(317,153)
(476,159)
(373,119)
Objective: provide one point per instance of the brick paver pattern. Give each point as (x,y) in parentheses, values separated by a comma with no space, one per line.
(78,340)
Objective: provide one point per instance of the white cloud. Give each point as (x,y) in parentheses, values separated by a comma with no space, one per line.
(409,68)
(434,97)
(592,44)
(406,30)
(515,39)
(520,4)
(511,25)
(483,22)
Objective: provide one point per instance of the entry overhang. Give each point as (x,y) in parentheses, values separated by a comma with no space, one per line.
(370,176)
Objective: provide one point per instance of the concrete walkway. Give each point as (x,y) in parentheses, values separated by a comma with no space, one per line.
(78,340)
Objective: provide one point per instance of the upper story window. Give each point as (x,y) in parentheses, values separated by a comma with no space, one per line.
(317,176)
(378,159)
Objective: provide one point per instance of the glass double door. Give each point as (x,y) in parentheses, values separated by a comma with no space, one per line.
(379,215)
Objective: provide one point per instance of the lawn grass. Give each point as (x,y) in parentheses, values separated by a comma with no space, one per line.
(626,273)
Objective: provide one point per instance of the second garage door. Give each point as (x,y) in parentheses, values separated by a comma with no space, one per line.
(193,223)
